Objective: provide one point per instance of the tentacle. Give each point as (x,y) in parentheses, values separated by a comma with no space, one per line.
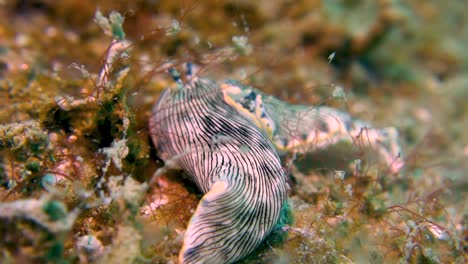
(175,75)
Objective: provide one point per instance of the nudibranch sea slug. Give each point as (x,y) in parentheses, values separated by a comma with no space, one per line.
(302,128)
(231,161)
(228,137)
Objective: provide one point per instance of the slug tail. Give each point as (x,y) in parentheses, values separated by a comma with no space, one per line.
(228,224)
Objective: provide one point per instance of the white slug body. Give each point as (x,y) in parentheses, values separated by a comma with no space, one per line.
(231,160)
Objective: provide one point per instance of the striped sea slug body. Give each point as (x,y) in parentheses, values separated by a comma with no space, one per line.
(230,160)
(303,129)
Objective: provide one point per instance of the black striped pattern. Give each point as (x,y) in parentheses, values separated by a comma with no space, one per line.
(230,160)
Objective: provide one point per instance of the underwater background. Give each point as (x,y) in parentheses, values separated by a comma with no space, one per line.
(76,157)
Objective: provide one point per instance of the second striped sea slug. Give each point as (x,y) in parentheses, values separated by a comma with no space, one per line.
(302,128)
(230,160)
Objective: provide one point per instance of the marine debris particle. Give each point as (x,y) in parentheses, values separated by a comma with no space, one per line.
(115,153)
(48,213)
